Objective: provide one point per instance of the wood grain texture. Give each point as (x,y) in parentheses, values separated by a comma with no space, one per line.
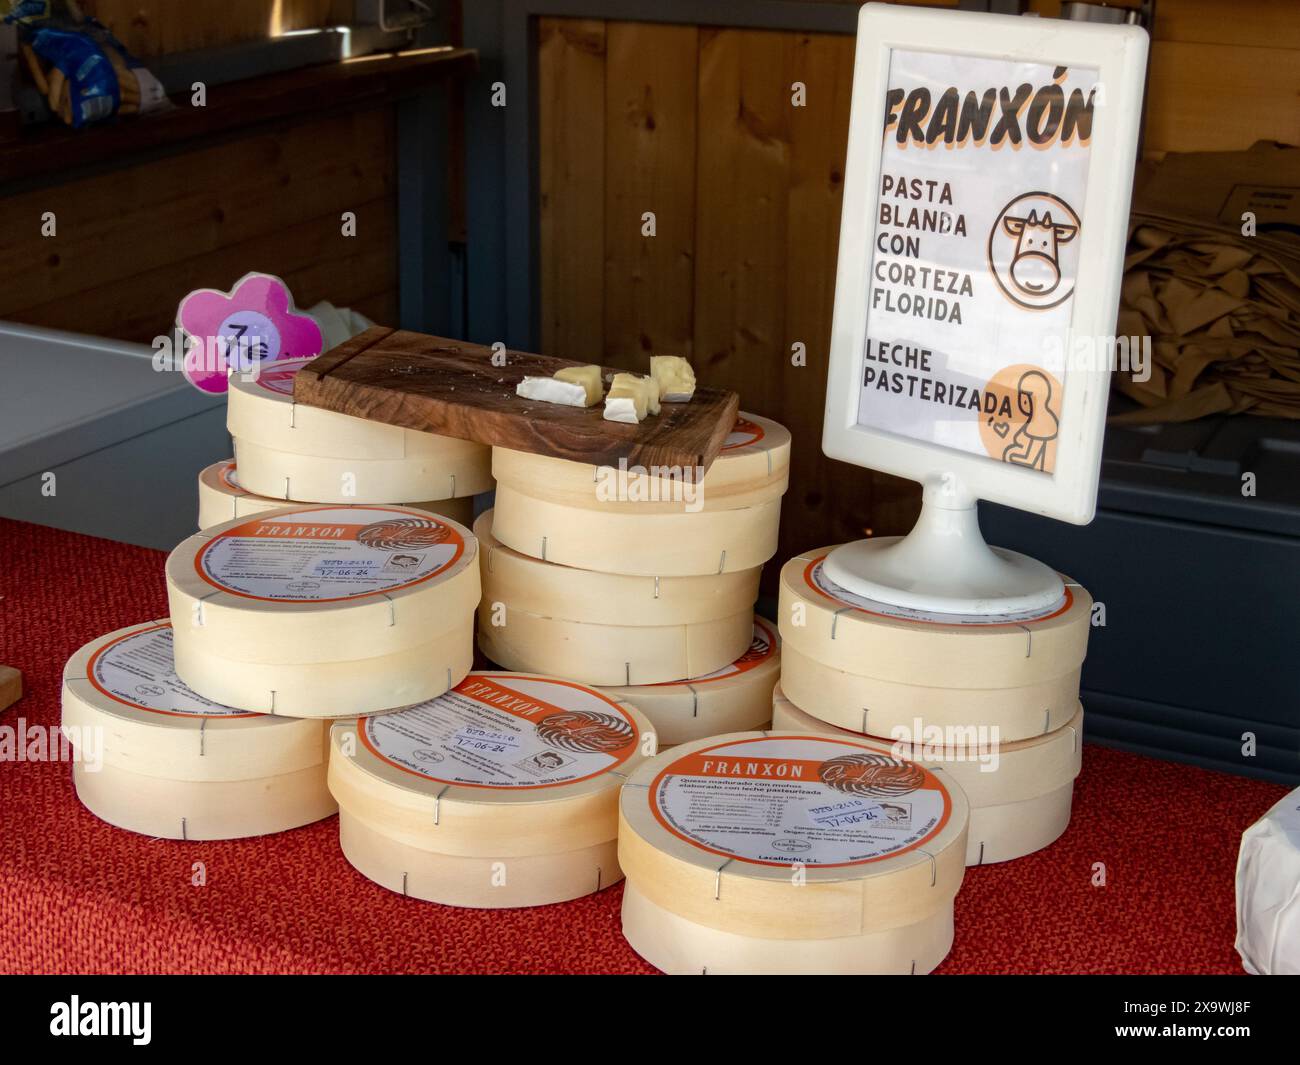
(452,388)
(650,141)
(11,686)
(571,125)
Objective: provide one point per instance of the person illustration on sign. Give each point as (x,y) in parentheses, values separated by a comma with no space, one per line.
(1027,250)
(1034,399)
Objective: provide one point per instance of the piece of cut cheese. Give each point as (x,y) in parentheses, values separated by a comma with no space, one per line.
(1020,792)
(870,667)
(735,698)
(503,792)
(291,451)
(222,498)
(786,836)
(154,757)
(631,382)
(673,376)
(588,377)
(551,390)
(325,611)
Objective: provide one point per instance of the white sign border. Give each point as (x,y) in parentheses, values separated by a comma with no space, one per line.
(1118,54)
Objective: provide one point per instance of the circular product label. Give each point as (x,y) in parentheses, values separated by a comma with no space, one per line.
(814,576)
(277,377)
(812,800)
(326,554)
(137,670)
(760,650)
(501,730)
(743,434)
(249,338)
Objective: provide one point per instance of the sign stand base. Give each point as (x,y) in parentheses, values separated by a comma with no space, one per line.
(944,566)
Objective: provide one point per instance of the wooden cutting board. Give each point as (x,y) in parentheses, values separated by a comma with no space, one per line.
(451,387)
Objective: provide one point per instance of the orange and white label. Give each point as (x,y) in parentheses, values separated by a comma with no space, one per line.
(226,475)
(760,650)
(743,434)
(504,730)
(137,670)
(816,801)
(327,553)
(814,576)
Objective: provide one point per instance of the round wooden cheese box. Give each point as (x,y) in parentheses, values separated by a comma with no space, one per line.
(325,611)
(649,522)
(290,451)
(871,668)
(502,792)
(154,757)
(790,853)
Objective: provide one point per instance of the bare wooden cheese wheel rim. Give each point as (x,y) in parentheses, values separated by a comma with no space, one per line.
(261,410)
(611,654)
(289,476)
(1018,807)
(222,621)
(753,467)
(680,947)
(474,882)
(222,499)
(197,810)
(435,814)
(859,703)
(736,698)
(834,632)
(653,545)
(797,900)
(335,689)
(593,597)
(178,744)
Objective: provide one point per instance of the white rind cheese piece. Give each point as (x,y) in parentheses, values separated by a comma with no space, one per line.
(878,844)
(630,382)
(511,774)
(588,377)
(222,498)
(624,405)
(290,451)
(870,667)
(674,377)
(1020,792)
(324,611)
(551,390)
(680,947)
(157,758)
(735,698)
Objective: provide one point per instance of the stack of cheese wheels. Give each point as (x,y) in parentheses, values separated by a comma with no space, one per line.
(609,628)
(289,451)
(503,792)
(154,757)
(325,611)
(735,698)
(790,853)
(1020,793)
(222,498)
(648,522)
(873,668)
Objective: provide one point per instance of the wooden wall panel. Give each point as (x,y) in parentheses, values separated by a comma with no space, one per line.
(571,124)
(131,243)
(650,127)
(157,27)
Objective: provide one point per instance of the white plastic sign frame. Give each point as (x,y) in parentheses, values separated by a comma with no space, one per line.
(1118,55)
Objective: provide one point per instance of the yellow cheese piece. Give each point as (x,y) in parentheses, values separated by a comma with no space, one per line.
(644,384)
(586,376)
(673,376)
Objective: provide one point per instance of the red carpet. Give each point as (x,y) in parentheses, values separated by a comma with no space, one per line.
(79,896)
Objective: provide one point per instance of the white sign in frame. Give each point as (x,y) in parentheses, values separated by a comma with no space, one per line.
(925,369)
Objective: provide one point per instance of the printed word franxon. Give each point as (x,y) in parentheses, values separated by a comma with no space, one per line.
(994,116)
(304,532)
(134,1019)
(761,767)
(506,700)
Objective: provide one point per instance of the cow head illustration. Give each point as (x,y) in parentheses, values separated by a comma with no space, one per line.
(1034,268)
